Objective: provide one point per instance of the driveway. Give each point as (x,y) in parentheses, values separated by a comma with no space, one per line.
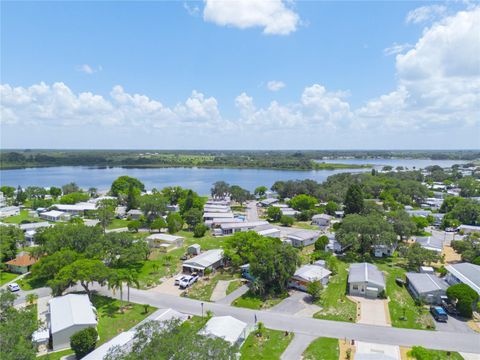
(168,287)
(454,325)
(372,311)
(220,290)
(392,351)
(298,303)
(252,212)
(297,347)
(227,300)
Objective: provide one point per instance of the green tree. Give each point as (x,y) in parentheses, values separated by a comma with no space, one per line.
(106,212)
(200,230)
(153,206)
(10,236)
(83,342)
(420,224)
(314,289)
(73,198)
(303,202)
(70,188)
(49,266)
(8,191)
(274,213)
(220,189)
(122,185)
(239,194)
(174,222)
(20,197)
(354,200)
(158,224)
(260,190)
(331,207)
(321,243)
(286,220)
(464,297)
(403,225)
(55,191)
(116,279)
(133,194)
(134,225)
(418,256)
(193,217)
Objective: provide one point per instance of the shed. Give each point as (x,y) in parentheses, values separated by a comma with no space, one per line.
(194,249)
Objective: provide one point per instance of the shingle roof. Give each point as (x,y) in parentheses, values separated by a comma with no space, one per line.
(365,272)
(22,260)
(69,310)
(424,283)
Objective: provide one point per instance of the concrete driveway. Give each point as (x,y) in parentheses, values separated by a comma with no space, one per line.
(168,287)
(453,325)
(372,311)
(392,351)
(298,303)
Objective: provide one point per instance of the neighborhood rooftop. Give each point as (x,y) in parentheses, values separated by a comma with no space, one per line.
(71,309)
(467,273)
(423,282)
(365,272)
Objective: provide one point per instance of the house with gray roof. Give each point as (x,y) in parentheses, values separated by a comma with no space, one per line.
(426,287)
(308,274)
(366,280)
(302,238)
(67,315)
(465,273)
(430,243)
(211,259)
(227,328)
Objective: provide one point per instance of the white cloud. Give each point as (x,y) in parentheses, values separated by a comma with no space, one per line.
(396,49)
(425,13)
(273,15)
(275,85)
(87,69)
(192,10)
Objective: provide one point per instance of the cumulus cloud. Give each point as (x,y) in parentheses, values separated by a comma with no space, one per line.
(396,49)
(425,13)
(87,69)
(274,16)
(275,85)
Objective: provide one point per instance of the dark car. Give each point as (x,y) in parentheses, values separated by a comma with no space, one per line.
(438,313)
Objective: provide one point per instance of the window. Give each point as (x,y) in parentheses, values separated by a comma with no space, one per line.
(355,287)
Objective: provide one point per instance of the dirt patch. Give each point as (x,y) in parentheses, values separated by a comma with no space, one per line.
(450,255)
(403,353)
(474,325)
(344,346)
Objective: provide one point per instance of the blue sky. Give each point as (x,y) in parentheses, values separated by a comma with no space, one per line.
(335,85)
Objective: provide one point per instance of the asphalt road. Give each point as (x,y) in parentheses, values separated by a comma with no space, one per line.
(439,340)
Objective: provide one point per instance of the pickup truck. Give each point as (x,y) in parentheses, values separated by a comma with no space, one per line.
(187,281)
(179,278)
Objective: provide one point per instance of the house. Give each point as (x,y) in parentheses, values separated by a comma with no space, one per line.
(308,274)
(76,209)
(217,215)
(365,279)
(381,250)
(55,215)
(227,328)
(9,211)
(268,202)
(269,231)
(339,214)
(125,340)
(419,213)
(120,211)
(289,212)
(438,218)
(426,287)
(173,208)
(21,264)
(209,260)
(322,219)
(233,227)
(469,229)
(165,241)
(134,214)
(34,226)
(302,238)
(465,273)
(216,208)
(69,314)
(430,243)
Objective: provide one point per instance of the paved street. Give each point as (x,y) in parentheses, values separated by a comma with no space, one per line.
(252,213)
(361,332)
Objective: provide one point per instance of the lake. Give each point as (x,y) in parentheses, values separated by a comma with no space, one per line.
(198,179)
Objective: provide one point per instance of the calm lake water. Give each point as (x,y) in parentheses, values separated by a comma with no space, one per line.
(198,179)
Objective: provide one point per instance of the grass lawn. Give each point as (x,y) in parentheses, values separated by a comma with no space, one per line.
(270,346)
(117,224)
(404,313)
(305,225)
(202,289)
(251,301)
(322,349)
(56,355)
(6,277)
(28,283)
(111,321)
(234,285)
(335,304)
(17,219)
(421,353)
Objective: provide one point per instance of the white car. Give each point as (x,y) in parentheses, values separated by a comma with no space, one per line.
(13,287)
(179,278)
(187,281)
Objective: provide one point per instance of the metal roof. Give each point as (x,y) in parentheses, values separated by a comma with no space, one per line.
(467,273)
(365,272)
(303,234)
(312,272)
(164,237)
(424,283)
(70,310)
(218,215)
(225,327)
(205,259)
(430,243)
(242,225)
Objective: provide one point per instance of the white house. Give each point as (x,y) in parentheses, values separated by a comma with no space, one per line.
(233,227)
(165,241)
(426,287)
(303,237)
(227,328)
(469,229)
(67,315)
(381,250)
(308,274)
(9,211)
(430,243)
(465,273)
(322,219)
(211,259)
(55,215)
(217,215)
(76,209)
(365,279)
(134,214)
(269,231)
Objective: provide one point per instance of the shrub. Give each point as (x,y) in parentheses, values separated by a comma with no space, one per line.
(465,297)
(199,230)
(274,213)
(314,289)
(321,242)
(83,341)
(286,220)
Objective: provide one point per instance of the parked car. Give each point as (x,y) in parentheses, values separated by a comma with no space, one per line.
(187,281)
(13,287)
(438,313)
(179,278)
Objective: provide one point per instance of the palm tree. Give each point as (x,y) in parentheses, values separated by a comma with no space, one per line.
(115,282)
(132,280)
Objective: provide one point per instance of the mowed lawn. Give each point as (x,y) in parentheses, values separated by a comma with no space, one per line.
(17,219)
(203,288)
(118,224)
(420,353)
(404,313)
(6,277)
(268,347)
(335,304)
(255,302)
(322,349)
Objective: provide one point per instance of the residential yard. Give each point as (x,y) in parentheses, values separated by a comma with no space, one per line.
(17,219)
(251,301)
(56,355)
(268,347)
(203,288)
(420,353)
(335,304)
(404,313)
(117,224)
(322,349)
(234,285)
(28,283)
(6,277)
(305,225)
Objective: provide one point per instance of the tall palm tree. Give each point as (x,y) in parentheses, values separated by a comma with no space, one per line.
(115,282)
(131,279)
